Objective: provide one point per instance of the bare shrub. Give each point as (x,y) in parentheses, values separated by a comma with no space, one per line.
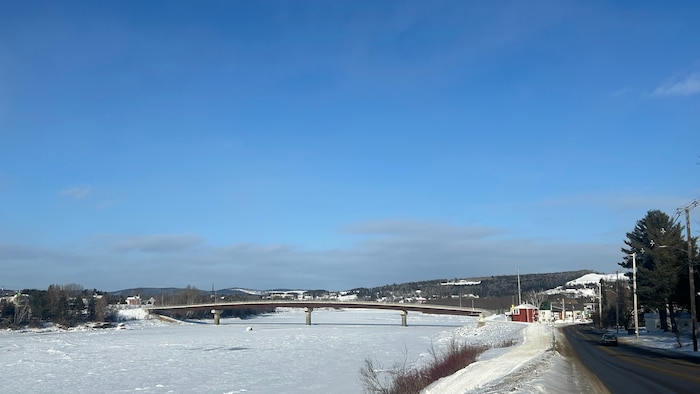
(371,381)
(405,380)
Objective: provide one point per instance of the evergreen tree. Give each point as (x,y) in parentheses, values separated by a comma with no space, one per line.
(92,309)
(658,244)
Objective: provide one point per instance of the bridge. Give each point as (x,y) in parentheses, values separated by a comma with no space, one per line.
(308,306)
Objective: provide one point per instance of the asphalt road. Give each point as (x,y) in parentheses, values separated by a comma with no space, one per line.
(629,369)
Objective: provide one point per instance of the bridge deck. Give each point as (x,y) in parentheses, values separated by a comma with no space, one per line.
(423,308)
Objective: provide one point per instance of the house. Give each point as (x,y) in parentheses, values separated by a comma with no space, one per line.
(565,311)
(547,316)
(525,313)
(133,300)
(286,294)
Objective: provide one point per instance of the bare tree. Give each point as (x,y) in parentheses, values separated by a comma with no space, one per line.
(535,298)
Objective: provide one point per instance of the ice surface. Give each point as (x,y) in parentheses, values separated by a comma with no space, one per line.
(280,353)
(277,353)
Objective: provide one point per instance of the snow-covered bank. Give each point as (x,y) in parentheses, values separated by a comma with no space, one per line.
(660,340)
(534,366)
(497,364)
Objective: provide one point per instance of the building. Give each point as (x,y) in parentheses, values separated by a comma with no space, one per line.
(525,313)
(133,300)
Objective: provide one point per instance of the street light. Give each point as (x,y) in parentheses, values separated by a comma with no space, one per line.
(634,286)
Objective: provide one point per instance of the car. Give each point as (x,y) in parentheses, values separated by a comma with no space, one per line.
(609,339)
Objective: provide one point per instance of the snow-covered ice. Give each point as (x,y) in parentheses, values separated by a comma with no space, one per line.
(277,353)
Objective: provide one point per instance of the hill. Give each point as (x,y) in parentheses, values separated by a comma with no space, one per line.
(476,287)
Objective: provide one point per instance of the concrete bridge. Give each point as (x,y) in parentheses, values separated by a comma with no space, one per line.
(308,306)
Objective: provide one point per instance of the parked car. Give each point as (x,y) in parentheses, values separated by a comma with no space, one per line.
(609,339)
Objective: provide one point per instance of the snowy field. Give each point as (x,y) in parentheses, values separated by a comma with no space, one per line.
(273,353)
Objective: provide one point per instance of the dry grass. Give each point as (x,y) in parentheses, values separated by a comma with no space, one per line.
(405,380)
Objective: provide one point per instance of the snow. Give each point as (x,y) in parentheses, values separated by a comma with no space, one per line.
(595,278)
(586,285)
(660,340)
(461,282)
(250,292)
(276,353)
(133,314)
(536,341)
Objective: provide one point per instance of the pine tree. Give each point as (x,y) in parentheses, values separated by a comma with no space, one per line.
(658,244)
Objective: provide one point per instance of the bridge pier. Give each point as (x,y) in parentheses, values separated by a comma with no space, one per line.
(403,318)
(308,315)
(217,315)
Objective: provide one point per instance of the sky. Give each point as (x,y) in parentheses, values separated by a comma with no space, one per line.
(334,145)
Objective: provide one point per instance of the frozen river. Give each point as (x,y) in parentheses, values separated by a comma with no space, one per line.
(279,355)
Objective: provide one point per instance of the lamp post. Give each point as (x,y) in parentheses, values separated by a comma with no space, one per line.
(634,286)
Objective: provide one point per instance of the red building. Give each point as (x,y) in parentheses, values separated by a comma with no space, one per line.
(525,313)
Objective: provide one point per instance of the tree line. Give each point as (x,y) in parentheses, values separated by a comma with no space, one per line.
(72,305)
(67,305)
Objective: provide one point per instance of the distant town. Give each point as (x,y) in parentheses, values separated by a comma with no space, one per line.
(575,295)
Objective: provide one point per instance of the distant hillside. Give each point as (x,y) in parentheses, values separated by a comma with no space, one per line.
(145,292)
(482,287)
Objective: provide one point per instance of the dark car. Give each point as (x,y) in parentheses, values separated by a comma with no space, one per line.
(609,339)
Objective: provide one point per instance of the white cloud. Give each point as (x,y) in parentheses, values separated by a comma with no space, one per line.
(76,193)
(685,87)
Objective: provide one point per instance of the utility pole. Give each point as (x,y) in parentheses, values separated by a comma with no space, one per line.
(691,274)
(634,281)
(617,304)
(600,305)
(563,311)
(520,300)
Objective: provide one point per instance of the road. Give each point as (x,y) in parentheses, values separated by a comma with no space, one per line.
(630,369)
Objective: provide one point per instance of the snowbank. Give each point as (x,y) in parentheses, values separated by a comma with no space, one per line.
(496,364)
(132,314)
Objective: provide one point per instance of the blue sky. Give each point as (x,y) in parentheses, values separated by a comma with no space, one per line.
(331,144)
